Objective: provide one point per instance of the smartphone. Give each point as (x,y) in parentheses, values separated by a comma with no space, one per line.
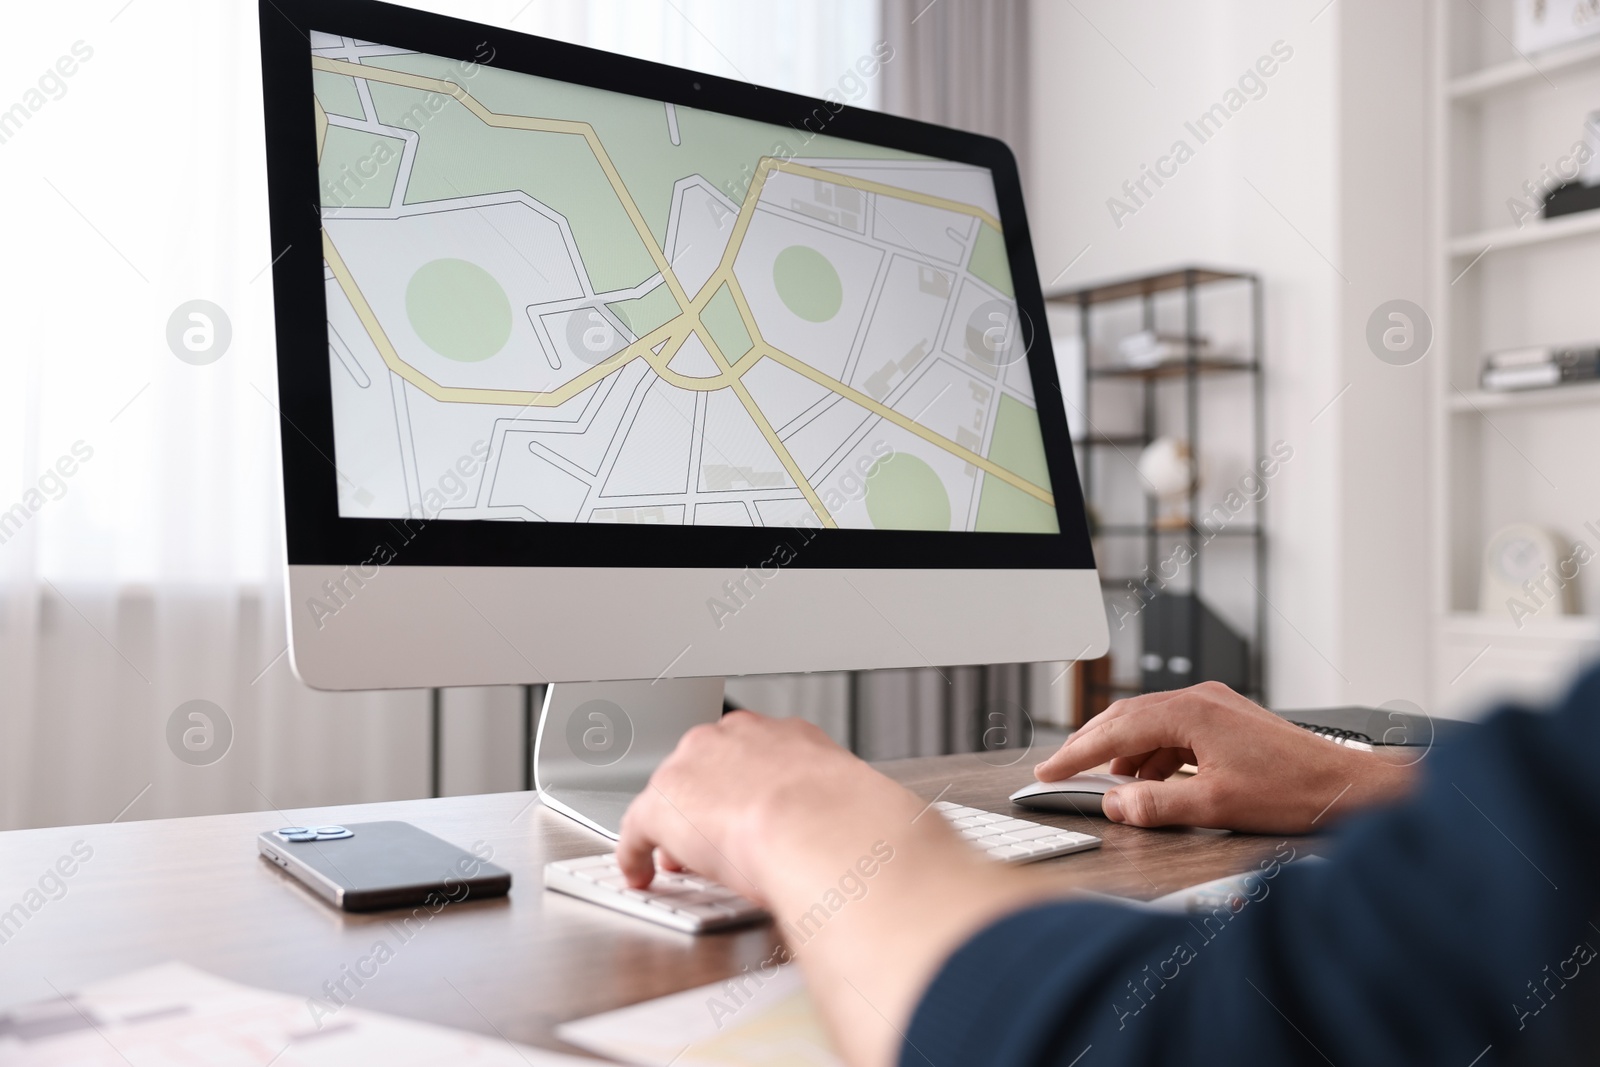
(370,866)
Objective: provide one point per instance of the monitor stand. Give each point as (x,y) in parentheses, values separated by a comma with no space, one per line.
(599,742)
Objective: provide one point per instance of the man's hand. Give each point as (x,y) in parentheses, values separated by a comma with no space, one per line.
(1258,772)
(869,886)
(739,796)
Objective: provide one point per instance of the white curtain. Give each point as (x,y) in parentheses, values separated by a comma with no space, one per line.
(140,552)
(961,63)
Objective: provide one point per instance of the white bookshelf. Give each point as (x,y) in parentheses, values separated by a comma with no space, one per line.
(1476,401)
(1516,72)
(1529,456)
(1532,232)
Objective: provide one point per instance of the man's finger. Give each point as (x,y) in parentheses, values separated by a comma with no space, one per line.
(1131,705)
(1129,765)
(1050,769)
(636,847)
(1153,727)
(1168,803)
(1162,765)
(1158,764)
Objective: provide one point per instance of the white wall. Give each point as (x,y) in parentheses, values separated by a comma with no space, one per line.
(1304,185)
(1385,132)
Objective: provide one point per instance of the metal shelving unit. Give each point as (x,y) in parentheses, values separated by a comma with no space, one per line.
(1187,374)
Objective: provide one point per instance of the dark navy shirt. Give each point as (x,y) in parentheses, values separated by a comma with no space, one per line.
(1457,928)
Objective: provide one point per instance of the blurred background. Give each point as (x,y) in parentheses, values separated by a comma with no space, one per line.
(1345,507)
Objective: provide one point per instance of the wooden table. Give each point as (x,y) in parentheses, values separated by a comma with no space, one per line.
(195,890)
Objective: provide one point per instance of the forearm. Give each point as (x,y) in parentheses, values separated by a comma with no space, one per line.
(872,905)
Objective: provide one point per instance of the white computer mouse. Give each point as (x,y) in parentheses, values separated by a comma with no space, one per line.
(1081,793)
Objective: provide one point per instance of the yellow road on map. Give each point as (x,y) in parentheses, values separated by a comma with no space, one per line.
(670,335)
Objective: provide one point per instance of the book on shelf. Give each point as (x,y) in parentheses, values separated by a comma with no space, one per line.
(1571,198)
(1540,367)
(1147,349)
(1537,25)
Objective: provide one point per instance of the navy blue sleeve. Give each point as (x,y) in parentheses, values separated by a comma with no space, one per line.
(1456,928)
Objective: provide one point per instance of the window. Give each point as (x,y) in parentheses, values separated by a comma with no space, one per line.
(138,189)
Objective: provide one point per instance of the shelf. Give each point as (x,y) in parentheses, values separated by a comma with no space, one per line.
(1478,400)
(1147,286)
(1172,370)
(1187,288)
(1580,628)
(1482,109)
(1518,72)
(1533,233)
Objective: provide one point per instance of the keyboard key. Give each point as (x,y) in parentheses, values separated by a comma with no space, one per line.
(1017,837)
(1037,846)
(667,880)
(698,898)
(1006,852)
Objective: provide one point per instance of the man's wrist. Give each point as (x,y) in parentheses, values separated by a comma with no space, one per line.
(1384,780)
(1395,780)
(797,840)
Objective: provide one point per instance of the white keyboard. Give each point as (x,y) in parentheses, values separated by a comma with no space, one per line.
(681,901)
(694,905)
(1013,840)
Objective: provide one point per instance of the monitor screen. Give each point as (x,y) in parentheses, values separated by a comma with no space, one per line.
(549,302)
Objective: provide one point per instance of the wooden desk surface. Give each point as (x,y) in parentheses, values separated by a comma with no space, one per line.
(196,890)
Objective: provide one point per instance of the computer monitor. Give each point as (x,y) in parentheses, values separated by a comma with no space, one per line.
(598,371)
